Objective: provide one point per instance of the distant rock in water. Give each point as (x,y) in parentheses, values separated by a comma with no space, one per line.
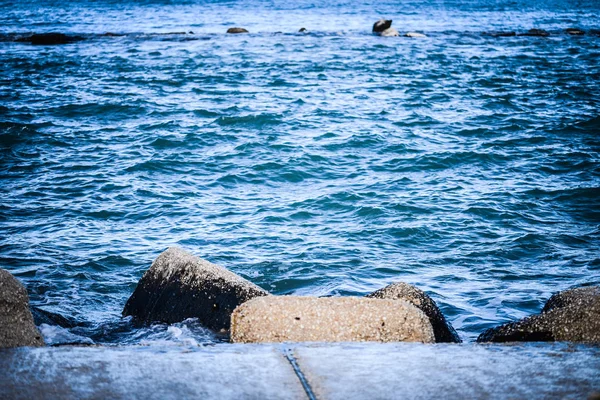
(16,322)
(50,39)
(179,285)
(442,329)
(574,31)
(415,35)
(500,33)
(572,315)
(535,32)
(382,25)
(328,319)
(237,30)
(303,30)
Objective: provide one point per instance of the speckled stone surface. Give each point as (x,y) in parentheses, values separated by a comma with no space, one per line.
(330,319)
(444,332)
(16,322)
(180,285)
(572,315)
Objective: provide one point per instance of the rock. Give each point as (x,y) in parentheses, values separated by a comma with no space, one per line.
(442,329)
(16,322)
(237,30)
(389,32)
(574,31)
(415,35)
(328,319)
(303,30)
(572,315)
(179,285)
(41,316)
(535,32)
(382,25)
(500,33)
(50,38)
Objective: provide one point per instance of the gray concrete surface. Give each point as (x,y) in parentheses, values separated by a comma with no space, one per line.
(221,372)
(329,371)
(451,371)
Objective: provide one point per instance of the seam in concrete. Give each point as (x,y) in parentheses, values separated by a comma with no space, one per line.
(289,355)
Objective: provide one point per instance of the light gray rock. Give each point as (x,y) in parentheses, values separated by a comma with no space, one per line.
(415,35)
(442,329)
(16,322)
(328,319)
(389,32)
(180,285)
(572,315)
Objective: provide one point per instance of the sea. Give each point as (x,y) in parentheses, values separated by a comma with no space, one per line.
(328,162)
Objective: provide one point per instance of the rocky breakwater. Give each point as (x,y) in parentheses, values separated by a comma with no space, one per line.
(276,319)
(16,322)
(180,285)
(443,331)
(572,315)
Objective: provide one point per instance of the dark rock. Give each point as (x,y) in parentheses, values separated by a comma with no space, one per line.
(382,25)
(500,33)
(16,323)
(572,315)
(237,30)
(41,316)
(50,38)
(179,285)
(302,30)
(535,32)
(574,31)
(442,329)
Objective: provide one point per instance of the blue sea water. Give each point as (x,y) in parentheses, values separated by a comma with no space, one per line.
(332,162)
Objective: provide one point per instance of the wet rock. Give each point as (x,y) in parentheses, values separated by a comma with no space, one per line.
(442,329)
(179,285)
(16,323)
(572,315)
(328,319)
(574,31)
(415,35)
(535,33)
(41,316)
(52,38)
(500,33)
(382,25)
(237,30)
(303,30)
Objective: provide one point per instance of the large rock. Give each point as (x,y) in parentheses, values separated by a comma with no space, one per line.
(382,25)
(16,323)
(442,329)
(572,315)
(328,319)
(179,285)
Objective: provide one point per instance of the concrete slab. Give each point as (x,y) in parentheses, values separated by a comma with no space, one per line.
(220,372)
(450,371)
(328,371)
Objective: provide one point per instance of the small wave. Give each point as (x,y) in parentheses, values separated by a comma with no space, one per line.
(252,121)
(97,110)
